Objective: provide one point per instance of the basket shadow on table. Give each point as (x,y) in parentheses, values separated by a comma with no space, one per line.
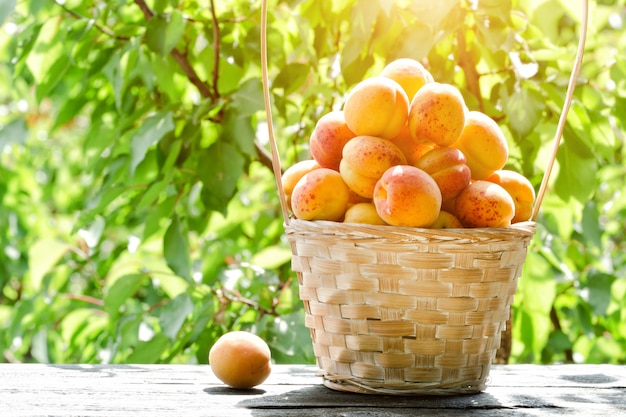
(319,397)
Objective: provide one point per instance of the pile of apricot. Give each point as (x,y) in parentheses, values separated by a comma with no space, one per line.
(405,150)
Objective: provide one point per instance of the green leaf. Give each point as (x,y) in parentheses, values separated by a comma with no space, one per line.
(230,77)
(74,322)
(176,249)
(173,285)
(150,132)
(523,107)
(495,8)
(248,99)
(43,256)
(114,73)
(39,348)
(6,8)
(605,349)
(122,289)
(591,228)
(15,132)
(599,285)
(153,192)
(291,339)
(160,5)
(577,176)
(415,41)
(356,69)
(69,110)
(272,257)
(45,51)
(164,31)
(537,285)
(165,72)
(238,130)
(150,351)
(104,197)
(559,342)
(286,301)
(220,167)
(156,216)
(173,315)
(128,330)
(292,77)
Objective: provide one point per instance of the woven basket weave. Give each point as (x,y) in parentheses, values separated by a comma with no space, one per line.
(407,311)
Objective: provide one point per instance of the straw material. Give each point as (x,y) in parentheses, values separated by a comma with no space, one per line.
(396,310)
(407,311)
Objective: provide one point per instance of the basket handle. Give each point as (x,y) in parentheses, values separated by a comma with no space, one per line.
(566,106)
(556,141)
(268,111)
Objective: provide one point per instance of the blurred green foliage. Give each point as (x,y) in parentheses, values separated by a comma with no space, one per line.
(139,219)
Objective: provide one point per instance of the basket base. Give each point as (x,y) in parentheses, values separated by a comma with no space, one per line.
(356,386)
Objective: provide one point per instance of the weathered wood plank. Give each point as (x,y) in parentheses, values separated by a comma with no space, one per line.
(150,390)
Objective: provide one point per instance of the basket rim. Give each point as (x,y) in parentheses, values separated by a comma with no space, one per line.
(364,231)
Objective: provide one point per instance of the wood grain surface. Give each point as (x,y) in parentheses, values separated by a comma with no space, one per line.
(296,390)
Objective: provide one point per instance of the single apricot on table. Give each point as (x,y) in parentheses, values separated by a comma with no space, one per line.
(240,359)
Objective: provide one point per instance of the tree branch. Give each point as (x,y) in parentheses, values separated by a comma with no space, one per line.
(235,297)
(554,318)
(181,59)
(216,49)
(102,29)
(265,157)
(466,62)
(206,90)
(145,9)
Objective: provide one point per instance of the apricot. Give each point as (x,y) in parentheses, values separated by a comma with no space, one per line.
(407,196)
(437,114)
(364,213)
(365,159)
(240,359)
(409,73)
(354,198)
(320,195)
(449,205)
(484,204)
(520,189)
(410,148)
(446,220)
(330,135)
(448,168)
(292,175)
(377,106)
(483,144)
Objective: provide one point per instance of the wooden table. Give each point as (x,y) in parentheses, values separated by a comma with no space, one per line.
(296,390)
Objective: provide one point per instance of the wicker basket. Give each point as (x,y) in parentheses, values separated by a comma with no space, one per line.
(409,311)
